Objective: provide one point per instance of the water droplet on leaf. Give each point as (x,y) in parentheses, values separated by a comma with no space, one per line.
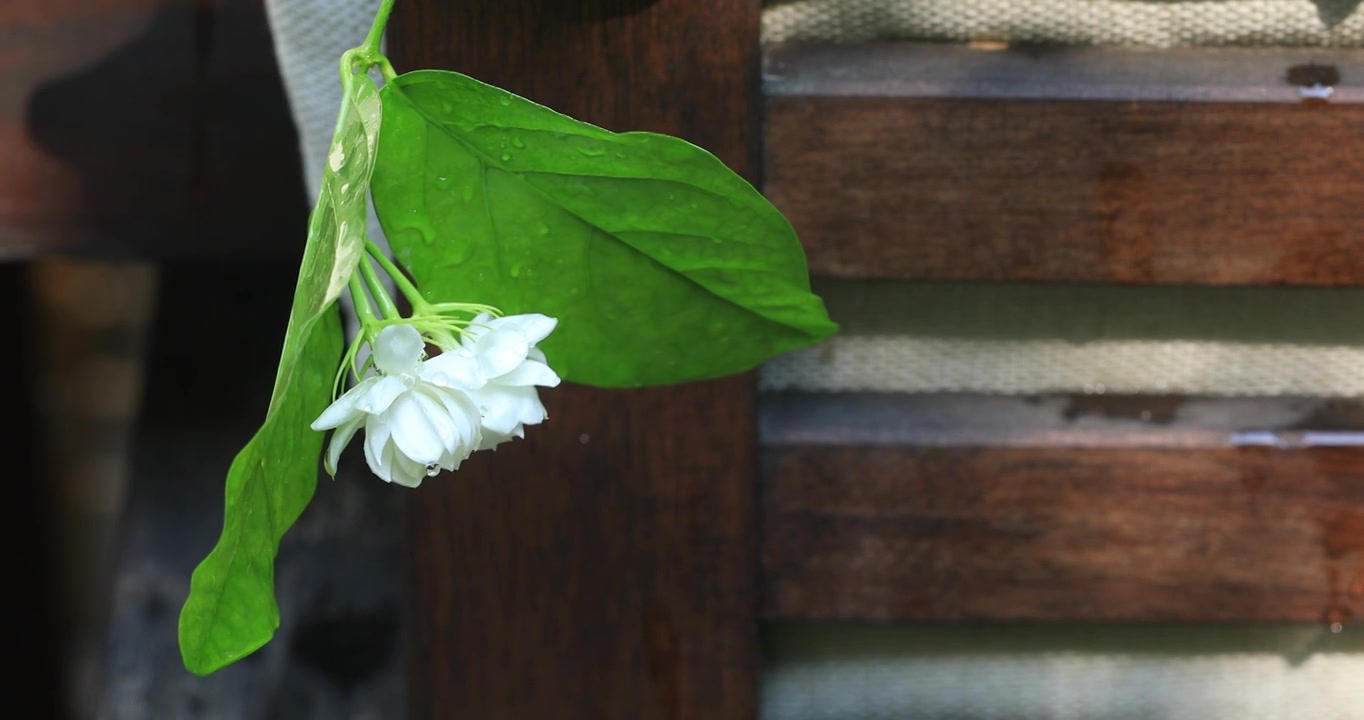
(506,100)
(517,143)
(467,193)
(541,229)
(506,157)
(592,151)
(515,271)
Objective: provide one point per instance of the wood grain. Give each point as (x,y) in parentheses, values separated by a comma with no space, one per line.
(882,182)
(149,128)
(897,533)
(606,567)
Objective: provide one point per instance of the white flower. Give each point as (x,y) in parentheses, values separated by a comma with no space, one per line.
(424,416)
(510,367)
(419,417)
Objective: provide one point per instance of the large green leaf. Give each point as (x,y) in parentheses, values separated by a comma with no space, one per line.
(662,265)
(231,610)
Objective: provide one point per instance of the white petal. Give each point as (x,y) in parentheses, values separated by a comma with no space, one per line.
(464,415)
(475,330)
(398,349)
(500,351)
(530,372)
(407,472)
(340,439)
(537,354)
(341,411)
(413,432)
(382,393)
(439,418)
(492,439)
(379,459)
(504,407)
(534,326)
(378,430)
(455,368)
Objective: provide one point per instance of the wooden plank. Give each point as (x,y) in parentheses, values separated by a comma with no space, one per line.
(153,128)
(1124,534)
(1071,420)
(910,180)
(991,71)
(606,567)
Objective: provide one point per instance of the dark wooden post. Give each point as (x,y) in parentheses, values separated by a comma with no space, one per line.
(605,567)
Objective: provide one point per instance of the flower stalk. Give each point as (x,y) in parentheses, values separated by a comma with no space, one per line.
(423,415)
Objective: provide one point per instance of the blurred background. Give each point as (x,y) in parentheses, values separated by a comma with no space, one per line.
(1088,445)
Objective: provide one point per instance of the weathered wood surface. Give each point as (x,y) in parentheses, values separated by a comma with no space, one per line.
(1101,420)
(148,128)
(1063,534)
(909,175)
(605,567)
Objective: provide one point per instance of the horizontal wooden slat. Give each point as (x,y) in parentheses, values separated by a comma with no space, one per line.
(932,178)
(1076,420)
(992,71)
(1128,534)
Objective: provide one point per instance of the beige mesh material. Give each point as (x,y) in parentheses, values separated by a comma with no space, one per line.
(1028,339)
(911,364)
(1062,672)
(1152,23)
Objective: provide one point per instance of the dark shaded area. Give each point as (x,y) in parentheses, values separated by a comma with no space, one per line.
(29,536)
(210,367)
(182,139)
(1156,409)
(1313,74)
(346,650)
(591,11)
(1334,12)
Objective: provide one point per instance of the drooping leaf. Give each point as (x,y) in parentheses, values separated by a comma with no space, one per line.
(661,264)
(231,609)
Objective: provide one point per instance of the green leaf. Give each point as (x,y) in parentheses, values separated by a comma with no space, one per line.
(231,609)
(661,264)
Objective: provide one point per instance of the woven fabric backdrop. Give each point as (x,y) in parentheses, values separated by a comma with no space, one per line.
(1063,672)
(1153,23)
(1028,339)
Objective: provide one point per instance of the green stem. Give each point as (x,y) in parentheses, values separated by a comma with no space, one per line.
(363,311)
(378,291)
(409,291)
(376,32)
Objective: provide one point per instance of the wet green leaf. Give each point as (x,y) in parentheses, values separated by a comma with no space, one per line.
(661,264)
(231,609)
